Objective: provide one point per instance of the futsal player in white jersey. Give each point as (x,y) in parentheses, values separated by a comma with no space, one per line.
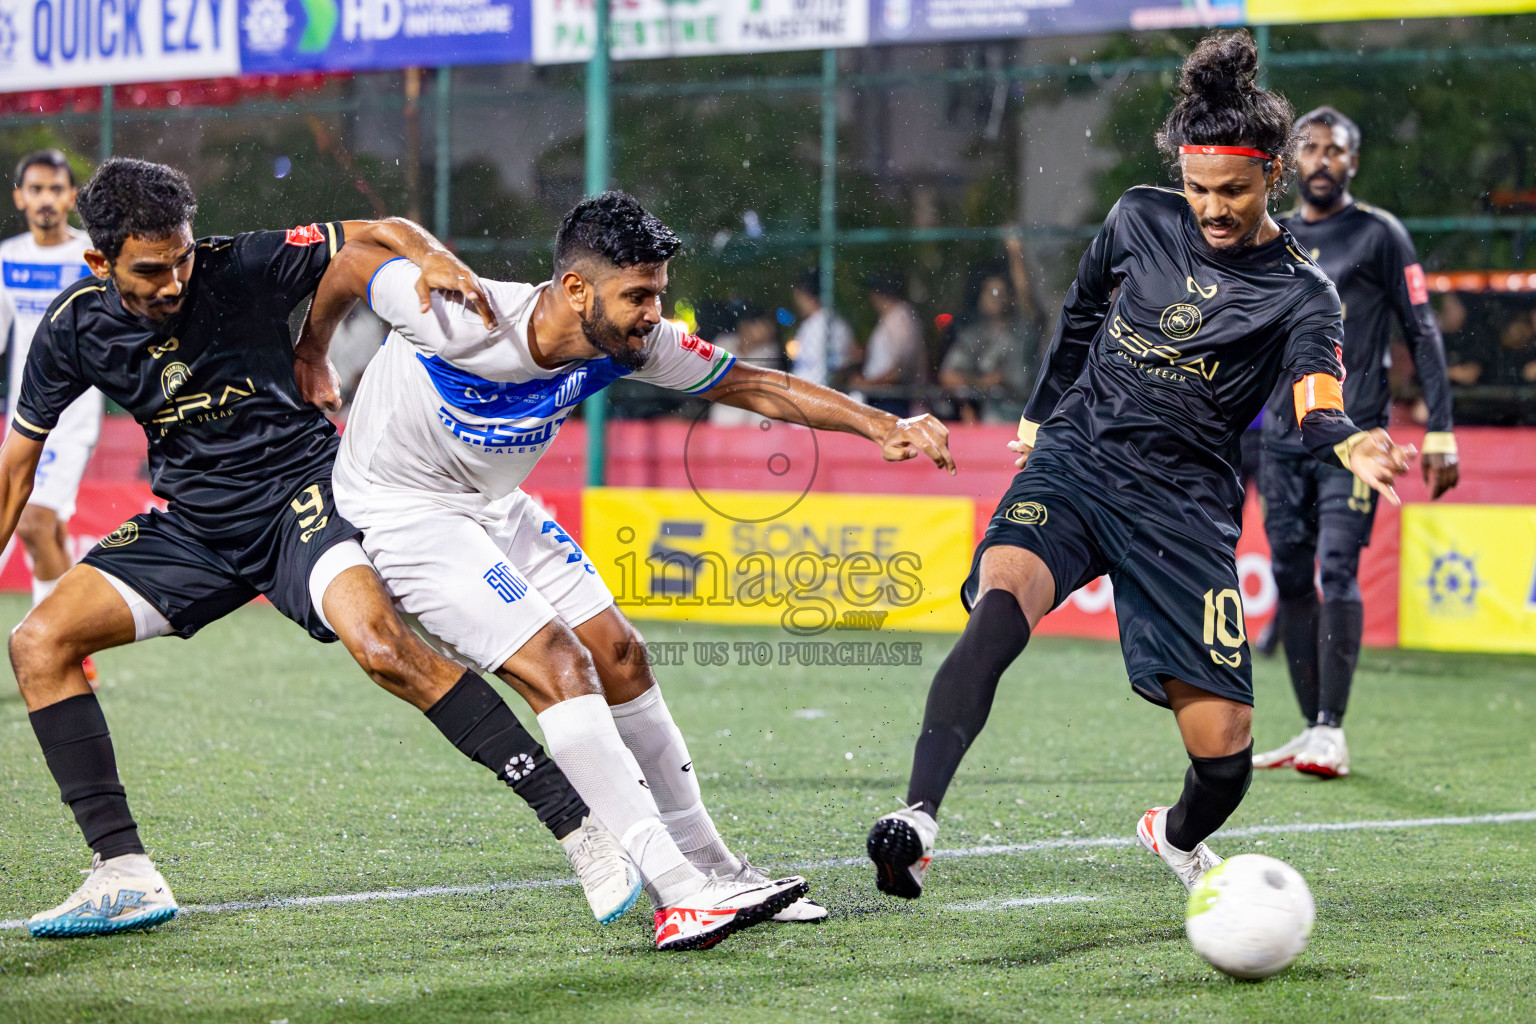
(34,267)
(447,423)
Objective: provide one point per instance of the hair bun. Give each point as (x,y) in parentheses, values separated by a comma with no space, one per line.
(1224,62)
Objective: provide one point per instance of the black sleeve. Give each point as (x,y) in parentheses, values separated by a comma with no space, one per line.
(1082,314)
(1409,297)
(287,265)
(1315,345)
(50,380)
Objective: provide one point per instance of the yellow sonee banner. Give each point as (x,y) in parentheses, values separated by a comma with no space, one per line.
(1295,12)
(1468,578)
(816,566)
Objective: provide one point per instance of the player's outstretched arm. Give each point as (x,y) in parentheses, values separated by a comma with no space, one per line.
(344,282)
(440,269)
(782,396)
(19,457)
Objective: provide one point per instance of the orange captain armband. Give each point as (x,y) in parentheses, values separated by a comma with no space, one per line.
(1317,391)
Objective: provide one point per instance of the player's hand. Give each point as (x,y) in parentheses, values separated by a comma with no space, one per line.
(1023,449)
(319,383)
(1379,462)
(443,271)
(918,435)
(1441,473)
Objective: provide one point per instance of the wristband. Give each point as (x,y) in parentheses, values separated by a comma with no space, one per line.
(1028,432)
(1345,448)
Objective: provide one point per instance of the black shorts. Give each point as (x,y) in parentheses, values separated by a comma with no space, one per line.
(193,580)
(1301,495)
(1177,596)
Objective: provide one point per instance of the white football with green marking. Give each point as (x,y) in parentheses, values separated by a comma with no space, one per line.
(1250,916)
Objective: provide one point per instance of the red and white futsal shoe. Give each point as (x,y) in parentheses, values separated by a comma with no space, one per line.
(1284,756)
(1326,755)
(1188,865)
(722,908)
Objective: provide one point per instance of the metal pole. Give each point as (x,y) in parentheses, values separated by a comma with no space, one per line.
(828,254)
(596,407)
(1261,43)
(104,143)
(442,114)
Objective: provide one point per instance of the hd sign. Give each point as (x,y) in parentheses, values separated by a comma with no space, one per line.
(357,35)
(54,44)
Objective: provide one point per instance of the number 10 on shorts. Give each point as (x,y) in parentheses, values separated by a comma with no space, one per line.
(1223,611)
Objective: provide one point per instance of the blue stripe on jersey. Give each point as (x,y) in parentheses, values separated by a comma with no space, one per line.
(52,276)
(530,399)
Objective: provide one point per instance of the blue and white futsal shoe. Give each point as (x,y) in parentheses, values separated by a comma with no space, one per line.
(607,875)
(123,894)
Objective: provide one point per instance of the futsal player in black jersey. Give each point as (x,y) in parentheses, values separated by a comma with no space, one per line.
(1186,310)
(1321,515)
(191,337)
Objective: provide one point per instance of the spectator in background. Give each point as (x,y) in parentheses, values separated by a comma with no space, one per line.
(1473,324)
(823,346)
(996,350)
(895,359)
(755,340)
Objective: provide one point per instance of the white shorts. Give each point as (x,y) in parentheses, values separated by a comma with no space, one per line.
(66,452)
(480,579)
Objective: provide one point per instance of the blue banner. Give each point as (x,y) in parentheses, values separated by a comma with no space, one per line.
(284,36)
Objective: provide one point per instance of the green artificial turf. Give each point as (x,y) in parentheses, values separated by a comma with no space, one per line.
(262,766)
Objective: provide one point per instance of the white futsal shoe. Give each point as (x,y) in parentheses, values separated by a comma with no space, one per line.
(901,845)
(723,907)
(1188,866)
(803,911)
(1326,755)
(607,875)
(123,894)
(1284,756)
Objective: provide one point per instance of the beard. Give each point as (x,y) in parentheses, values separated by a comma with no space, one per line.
(1328,190)
(610,339)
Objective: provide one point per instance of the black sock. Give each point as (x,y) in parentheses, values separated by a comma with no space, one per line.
(961,696)
(1340,626)
(1213,787)
(1298,632)
(78,748)
(477,721)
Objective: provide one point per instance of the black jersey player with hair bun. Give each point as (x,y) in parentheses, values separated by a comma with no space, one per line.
(1318,517)
(1188,307)
(191,337)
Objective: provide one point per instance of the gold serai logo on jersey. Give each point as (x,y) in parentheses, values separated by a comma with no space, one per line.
(122,536)
(1026,513)
(173,377)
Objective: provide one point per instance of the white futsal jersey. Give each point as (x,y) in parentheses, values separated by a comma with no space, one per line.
(32,275)
(450,408)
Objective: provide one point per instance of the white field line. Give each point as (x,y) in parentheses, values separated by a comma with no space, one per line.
(1020,901)
(1066,843)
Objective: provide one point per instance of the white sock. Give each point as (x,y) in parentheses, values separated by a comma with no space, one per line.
(41,589)
(580,736)
(646,725)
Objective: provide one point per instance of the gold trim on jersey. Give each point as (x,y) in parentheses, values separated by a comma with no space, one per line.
(29,426)
(1028,431)
(1439,442)
(330,231)
(1299,257)
(72,298)
(1345,448)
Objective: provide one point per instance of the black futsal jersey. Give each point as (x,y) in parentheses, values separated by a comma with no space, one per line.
(1166,349)
(1369,257)
(230,439)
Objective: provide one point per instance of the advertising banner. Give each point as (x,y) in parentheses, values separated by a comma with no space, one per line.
(56,44)
(1468,578)
(821,567)
(278,36)
(102,507)
(563,29)
(912,21)
(1291,12)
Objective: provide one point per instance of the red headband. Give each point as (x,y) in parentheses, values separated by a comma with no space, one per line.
(1257,154)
